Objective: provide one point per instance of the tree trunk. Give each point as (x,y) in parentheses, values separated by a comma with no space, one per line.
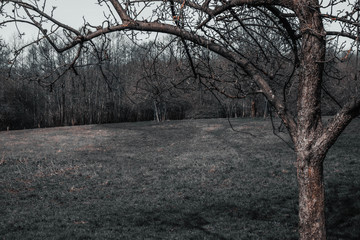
(63,103)
(311,197)
(156,112)
(253,108)
(243,108)
(310,151)
(266,108)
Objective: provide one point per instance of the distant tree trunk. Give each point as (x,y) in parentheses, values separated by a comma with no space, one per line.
(35,106)
(63,105)
(156,112)
(90,108)
(243,107)
(163,112)
(266,108)
(253,108)
(228,110)
(58,116)
(201,97)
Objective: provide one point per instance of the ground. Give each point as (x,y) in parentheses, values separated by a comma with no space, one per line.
(191,179)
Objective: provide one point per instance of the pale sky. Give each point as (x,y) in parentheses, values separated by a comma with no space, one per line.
(70,12)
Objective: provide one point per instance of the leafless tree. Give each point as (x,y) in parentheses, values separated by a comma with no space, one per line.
(228,28)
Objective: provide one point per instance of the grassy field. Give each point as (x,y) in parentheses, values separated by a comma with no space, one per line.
(192,179)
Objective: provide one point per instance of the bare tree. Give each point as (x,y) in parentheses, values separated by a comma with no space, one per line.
(228,28)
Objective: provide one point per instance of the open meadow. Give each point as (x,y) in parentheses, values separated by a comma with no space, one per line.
(190,179)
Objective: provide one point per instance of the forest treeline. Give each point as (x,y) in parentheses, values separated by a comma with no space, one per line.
(117,80)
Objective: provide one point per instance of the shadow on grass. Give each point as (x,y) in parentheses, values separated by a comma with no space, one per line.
(175,222)
(343,210)
(194,221)
(343,186)
(215,221)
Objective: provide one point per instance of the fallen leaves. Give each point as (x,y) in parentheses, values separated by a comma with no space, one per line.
(81,222)
(75,189)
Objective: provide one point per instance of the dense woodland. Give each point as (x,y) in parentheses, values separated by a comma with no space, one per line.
(119,80)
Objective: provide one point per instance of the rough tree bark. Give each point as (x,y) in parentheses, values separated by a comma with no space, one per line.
(309,161)
(311,197)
